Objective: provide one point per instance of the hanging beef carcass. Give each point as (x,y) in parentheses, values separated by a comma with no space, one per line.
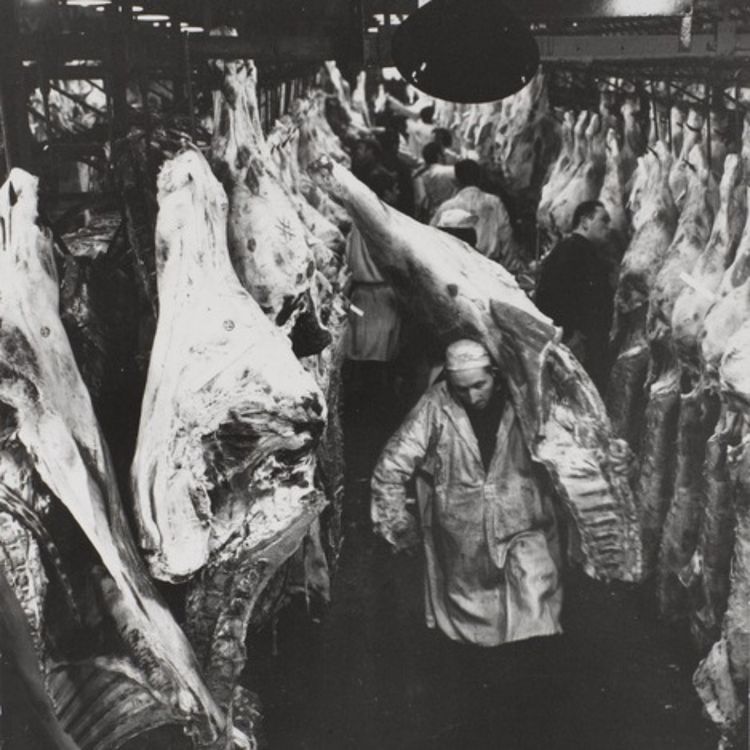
(324,240)
(722,678)
(698,201)
(713,552)
(677,120)
(303,149)
(455,291)
(633,142)
(359,101)
(282,143)
(267,240)
(612,196)
(654,220)
(703,283)
(697,412)
(558,172)
(525,138)
(585,180)
(223,472)
(678,175)
(732,307)
(549,232)
(126,668)
(328,142)
(278,259)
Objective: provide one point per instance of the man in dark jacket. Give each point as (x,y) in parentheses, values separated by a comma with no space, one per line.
(574,289)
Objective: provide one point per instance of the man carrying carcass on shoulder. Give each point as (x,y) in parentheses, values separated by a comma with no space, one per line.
(574,289)
(488,525)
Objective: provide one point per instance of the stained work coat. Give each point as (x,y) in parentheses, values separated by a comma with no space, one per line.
(490,537)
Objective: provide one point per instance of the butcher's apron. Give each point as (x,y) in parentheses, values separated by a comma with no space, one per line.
(491,547)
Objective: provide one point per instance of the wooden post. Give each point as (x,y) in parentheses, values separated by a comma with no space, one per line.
(13,97)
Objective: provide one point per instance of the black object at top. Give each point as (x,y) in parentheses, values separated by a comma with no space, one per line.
(465,50)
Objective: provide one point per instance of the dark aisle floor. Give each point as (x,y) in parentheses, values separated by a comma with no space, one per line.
(366,676)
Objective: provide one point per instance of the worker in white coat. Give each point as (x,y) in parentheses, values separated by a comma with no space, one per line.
(487,522)
(490,217)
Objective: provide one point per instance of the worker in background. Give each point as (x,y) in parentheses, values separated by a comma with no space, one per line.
(371,346)
(419,123)
(488,526)
(434,183)
(575,289)
(394,162)
(491,221)
(444,137)
(367,155)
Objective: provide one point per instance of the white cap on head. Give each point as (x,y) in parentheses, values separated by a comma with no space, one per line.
(466,354)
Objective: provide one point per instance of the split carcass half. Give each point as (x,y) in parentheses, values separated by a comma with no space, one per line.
(558,173)
(223,472)
(224,395)
(585,181)
(457,292)
(127,668)
(549,232)
(700,293)
(524,137)
(697,408)
(732,308)
(654,220)
(670,484)
(680,171)
(633,141)
(721,680)
(267,240)
(612,196)
(283,142)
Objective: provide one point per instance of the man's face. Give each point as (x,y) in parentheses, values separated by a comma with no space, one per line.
(597,229)
(473,389)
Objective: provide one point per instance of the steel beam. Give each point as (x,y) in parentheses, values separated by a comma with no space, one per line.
(638,48)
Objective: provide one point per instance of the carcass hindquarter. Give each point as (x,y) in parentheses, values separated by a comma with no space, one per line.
(282,144)
(223,472)
(225,397)
(654,223)
(693,231)
(526,139)
(633,142)
(585,181)
(559,169)
(700,293)
(677,120)
(721,679)
(732,307)
(549,232)
(267,240)
(132,668)
(654,220)
(454,290)
(673,519)
(697,408)
(680,172)
(612,195)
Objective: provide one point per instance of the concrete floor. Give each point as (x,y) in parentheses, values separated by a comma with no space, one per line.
(367,675)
